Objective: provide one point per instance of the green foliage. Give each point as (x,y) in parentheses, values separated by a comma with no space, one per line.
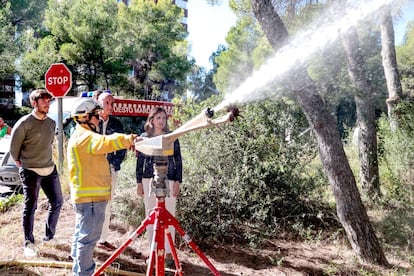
(242,56)
(396,225)
(251,177)
(397,174)
(200,82)
(27,13)
(8,47)
(128,207)
(405,60)
(36,62)
(84,32)
(12,115)
(10,201)
(328,67)
(396,153)
(101,41)
(152,40)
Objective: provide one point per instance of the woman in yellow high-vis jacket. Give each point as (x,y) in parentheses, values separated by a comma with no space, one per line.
(90,180)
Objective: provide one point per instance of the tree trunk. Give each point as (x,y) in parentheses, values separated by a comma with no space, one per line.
(367,134)
(350,209)
(389,62)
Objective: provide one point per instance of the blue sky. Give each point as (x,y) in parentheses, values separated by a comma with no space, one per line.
(208,26)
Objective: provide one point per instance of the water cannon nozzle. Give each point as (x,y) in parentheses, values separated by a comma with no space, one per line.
(209,112)
(234,112)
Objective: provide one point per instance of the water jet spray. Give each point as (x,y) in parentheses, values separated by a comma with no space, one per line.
(300,49)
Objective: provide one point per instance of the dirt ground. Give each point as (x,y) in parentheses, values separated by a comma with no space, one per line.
(278,257)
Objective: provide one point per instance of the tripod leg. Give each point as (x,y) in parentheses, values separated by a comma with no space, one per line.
(174,254)
(157,247)
(153,252)
(151,261)
(140,229)
(174,222)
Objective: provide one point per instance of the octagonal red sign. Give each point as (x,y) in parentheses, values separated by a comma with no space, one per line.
(58,79)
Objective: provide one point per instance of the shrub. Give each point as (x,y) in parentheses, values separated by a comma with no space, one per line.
(252,177)
(256,177)
(127,205)
(12,200)
(396,155)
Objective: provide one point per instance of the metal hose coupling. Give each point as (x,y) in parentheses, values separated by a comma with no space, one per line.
(209,112)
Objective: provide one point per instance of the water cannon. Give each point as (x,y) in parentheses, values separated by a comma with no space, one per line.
(162,145)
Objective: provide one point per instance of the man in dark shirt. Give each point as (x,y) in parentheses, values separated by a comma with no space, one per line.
(108,125)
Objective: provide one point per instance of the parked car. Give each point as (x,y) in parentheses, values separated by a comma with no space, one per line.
(9,172)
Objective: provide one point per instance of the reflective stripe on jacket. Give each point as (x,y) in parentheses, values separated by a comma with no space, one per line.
(89,171)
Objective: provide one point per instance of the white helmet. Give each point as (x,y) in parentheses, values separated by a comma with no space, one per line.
(84,107)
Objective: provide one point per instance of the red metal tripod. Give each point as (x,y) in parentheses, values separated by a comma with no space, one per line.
(161,219)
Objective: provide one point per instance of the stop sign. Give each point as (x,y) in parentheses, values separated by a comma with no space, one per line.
(58,79)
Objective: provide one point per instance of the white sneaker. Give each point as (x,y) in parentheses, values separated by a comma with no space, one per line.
(29,250)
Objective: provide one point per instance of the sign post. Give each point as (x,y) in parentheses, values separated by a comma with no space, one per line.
(58,81)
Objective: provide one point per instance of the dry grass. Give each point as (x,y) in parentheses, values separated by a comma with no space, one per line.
(278,257)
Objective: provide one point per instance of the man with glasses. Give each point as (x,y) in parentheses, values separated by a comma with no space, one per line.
(90,180)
